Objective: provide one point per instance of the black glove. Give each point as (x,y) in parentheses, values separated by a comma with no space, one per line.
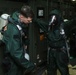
(30,70)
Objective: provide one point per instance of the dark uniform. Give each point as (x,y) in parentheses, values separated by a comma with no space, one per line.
(12,37)
(58,54)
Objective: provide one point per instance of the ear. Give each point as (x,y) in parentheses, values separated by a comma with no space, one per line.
(21,16)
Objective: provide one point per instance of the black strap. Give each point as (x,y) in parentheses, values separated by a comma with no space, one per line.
(17,25)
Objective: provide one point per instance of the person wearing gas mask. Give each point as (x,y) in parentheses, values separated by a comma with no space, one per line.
(57,55)
(57,34)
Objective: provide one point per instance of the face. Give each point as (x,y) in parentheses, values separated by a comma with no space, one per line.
(25,20)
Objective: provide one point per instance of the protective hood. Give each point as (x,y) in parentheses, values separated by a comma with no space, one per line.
(55,18)
(55,12)
(15,16)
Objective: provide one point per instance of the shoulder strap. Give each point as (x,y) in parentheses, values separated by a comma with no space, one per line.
(17,25)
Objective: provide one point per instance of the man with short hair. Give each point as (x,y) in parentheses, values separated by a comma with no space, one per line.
(13,38)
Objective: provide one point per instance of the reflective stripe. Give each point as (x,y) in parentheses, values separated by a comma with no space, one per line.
(19,27)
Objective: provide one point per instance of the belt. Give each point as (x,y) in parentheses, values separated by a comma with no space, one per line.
(58,49)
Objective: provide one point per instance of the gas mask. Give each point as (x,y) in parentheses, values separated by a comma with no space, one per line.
(53,20)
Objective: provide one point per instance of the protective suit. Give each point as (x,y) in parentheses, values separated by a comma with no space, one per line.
(13,37)
(57,55)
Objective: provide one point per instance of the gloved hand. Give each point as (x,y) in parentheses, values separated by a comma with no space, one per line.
(30,70)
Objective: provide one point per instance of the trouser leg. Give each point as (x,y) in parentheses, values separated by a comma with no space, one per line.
(62,62)
(51,66)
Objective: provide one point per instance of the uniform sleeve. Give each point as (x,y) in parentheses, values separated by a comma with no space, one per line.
(13,41)
(43,25)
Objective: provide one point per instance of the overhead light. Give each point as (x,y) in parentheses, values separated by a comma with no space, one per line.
(73,0)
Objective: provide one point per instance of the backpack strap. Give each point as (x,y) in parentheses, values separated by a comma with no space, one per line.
(17,25)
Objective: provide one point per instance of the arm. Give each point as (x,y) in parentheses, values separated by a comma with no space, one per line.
(43,25)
